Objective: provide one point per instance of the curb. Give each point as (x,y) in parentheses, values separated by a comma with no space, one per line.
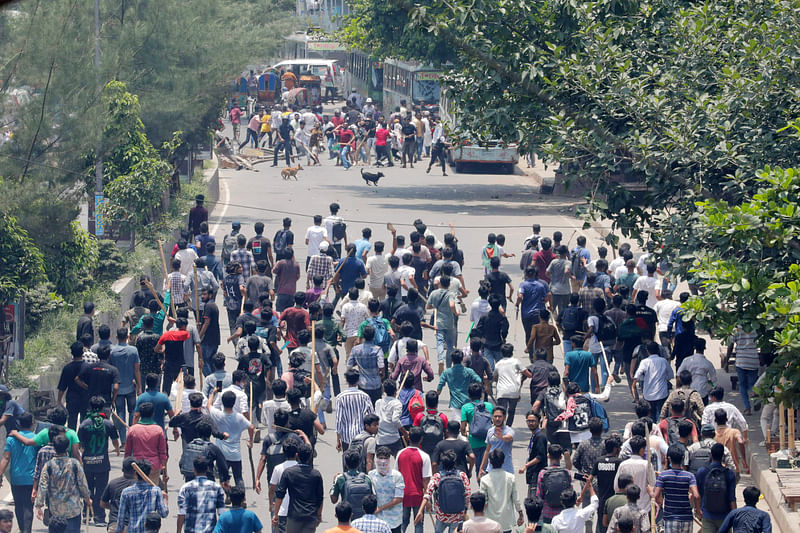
(784,519)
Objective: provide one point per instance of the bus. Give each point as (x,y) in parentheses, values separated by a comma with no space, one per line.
(414,82)
(365,74)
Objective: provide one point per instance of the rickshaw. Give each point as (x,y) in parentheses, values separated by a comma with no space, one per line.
(314,86)
(269,86)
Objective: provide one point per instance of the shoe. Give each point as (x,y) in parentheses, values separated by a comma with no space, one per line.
(404,166)
(617,379)
(273,165)
(328,406)
(444,173)
(100,522)
(747,412)
(428,170)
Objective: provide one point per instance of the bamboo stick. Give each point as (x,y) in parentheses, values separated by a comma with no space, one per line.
(781,427)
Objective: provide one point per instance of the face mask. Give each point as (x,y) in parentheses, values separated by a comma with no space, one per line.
(383,465)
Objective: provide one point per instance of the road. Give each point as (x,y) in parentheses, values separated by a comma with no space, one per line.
(476,204)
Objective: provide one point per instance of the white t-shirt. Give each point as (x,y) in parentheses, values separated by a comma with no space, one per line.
(186,257)
(233,424)
(615,264)
(315,235)
(621,271)
(398,349)
(641,266)
(241,405)
(648,284)
(480,308)
(354,313)
(664,309)
(378,267)
(277,473)
(406,273)
(509,377)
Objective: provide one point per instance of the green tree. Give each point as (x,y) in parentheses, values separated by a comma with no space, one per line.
(21,263)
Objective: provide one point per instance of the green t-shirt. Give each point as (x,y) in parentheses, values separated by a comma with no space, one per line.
(43,438)
(338,485)
(614,502)
(467,410)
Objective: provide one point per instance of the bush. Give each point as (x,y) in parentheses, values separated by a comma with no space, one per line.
(40,301)
(111,263)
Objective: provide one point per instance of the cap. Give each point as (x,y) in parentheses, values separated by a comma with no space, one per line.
(323,246)
(369,100)
(199,197)
(707,428)
(236,225)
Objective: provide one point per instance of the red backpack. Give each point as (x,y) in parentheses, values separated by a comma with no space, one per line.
(416,404)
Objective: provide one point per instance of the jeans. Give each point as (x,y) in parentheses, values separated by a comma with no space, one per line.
(441,527)
(124,404)
(331,151)
(283,302)
(370,147)
(233,314)
(74,524)
(409,149)
(655,409)
(23,506)
(326,394)
(445,344)
(420,142)
(251,134)
(97,482)
(408,517)
(747,378)
(208,351)
(510,405)
(527,325)
(598,360)
(478,452)
(492,356)
(236,469)
(343,155)
(567,344)
(287,148)
(560,301)
(170,375)
(438,154)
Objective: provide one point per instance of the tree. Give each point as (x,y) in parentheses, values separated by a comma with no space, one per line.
(21,263)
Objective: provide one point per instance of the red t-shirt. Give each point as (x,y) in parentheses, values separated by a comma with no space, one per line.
(336,121)
(380,137)
(345,136)
(296,320)
(414,465)
(420,416)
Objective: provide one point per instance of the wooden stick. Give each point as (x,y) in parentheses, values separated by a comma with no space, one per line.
(405,377)
(781,427)
(792,437)
(115,415)
(196,297)
(150,286)
(179,391)
(163,258)
(313,360)
(89,515)
(282,428)
(143,475)
(251,401)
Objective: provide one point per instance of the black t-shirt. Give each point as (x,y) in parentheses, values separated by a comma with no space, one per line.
(94,441)
(498,280)
(413,314)
(101,376)
(112,494)
(646,316)
(604,471)
(537,447)
(303,419)
(71,370)
(480,365)
(409,129)
(188,422)
(259,246)
(84,326)
(461,449)
(286,131)
(257,366)
(212,335)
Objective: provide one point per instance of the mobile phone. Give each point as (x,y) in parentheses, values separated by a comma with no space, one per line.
(219,385)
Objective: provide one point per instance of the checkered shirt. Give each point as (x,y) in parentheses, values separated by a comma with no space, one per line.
(369,523)
(199,500)
(245,258)
(320,265)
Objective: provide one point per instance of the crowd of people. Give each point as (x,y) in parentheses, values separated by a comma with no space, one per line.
(353,135)
(358,309)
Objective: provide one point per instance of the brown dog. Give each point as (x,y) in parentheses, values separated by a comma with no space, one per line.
(291,172)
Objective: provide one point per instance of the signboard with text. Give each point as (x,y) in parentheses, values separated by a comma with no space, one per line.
(428,76)
(325,46)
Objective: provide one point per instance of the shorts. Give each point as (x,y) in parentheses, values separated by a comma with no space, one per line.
(678,526)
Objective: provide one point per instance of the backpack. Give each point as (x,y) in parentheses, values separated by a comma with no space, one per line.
(382,337)
(606,330)
(356,488)
(551,407)
(255,367)
(578,268)
(450,493)
(600,412)
(571,319)
(228,245)
(357,444)
(698,458)
(672,429)
(555,481)
(432,432)
(300,382)
(275,453)
(338,229)
(280,243)
(715,497)
(481,422)
(416,404)
(195,448)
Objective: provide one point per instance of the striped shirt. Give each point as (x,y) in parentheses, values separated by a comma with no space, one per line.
(675,485)
(351,406)
(746,350)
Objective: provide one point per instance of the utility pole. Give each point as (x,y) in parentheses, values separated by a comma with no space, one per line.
(98,168)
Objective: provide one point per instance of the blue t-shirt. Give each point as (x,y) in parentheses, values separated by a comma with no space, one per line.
(701,480)
(579,362)
(361,245)
(23,459)
(238,521)
(533,294)
(675,486)
(123,357)
(500,444)
(13,409)
(161,404)
(353,269)
(582,252)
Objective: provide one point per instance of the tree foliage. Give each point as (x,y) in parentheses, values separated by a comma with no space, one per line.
(21,263)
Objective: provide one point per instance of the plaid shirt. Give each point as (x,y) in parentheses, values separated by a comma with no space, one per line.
(42,456)
(430,492)
(198,501)
(547,511)
(177,285)
(587,295)
(369,523)
(320,265)
(245,258)
(134,504)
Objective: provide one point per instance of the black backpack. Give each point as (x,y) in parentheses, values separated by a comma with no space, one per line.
(450,493)
(432,432)
(551,408)
(275,453)
(357,444)
(672,429)
(338,229)
(195,448)
(699,458)
(280,243)
(571,319)
(555,481)
(356,488)
(715,493)
(606,330)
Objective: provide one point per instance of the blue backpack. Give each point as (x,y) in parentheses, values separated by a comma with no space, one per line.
(600,412)
(382,337)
